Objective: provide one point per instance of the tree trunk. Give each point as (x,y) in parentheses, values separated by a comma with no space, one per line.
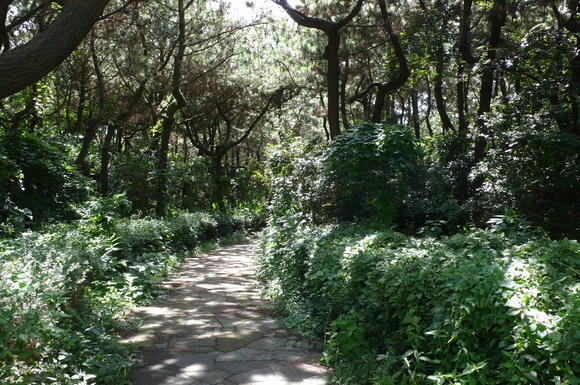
(324,120)
(415,116)
(394,84)
(96,121)
(392,113)
(169,119)
(27,64)
(403,110)
(4,37)
(461,99)
(486,91)
(343,100)
(428,113)
(103,176)
(333,79)
(82,97)
(497,18)
(105,160)
(219,182)
(90,133)
(439,99)
(332,31)
(464,43)
(379,106)
(162,161)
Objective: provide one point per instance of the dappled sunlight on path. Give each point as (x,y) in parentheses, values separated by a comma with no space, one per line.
(212,329)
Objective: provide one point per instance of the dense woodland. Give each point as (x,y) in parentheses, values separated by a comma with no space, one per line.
(411,167)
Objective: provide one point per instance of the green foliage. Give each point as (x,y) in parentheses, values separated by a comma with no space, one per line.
(190,183)
(446,183)
(369,171)
(131,174)
(38,183)
(44,319)
(533,168)
(295,175)
(100,214)
(496,306)
(371,168)
(64,293)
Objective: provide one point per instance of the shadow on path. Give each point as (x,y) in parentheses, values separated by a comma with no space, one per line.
(212,329)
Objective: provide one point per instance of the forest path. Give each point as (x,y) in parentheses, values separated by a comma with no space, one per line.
(212,329)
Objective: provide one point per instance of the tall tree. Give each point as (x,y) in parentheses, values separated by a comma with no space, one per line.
(332,30)
(569,16)
(392,85)
(466,61)
(384,89)
(497,19)
(168,121)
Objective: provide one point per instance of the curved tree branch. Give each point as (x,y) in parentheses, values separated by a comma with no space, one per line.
(304,20)
(567,14)
(332,30)
(253,125)
(28,63)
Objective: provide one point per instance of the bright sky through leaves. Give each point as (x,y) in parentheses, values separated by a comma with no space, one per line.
(250,9)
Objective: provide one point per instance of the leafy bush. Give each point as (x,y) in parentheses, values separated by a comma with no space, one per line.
(369,171)
(295,175)
(372,168)
(37,182)
(191,183)
(446,185)
(254,219)
(533,168)
(43,320)
(131,174)
(382,172)
(64,293)
(495,306)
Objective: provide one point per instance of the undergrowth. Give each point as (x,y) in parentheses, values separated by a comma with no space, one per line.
(492,306)
(65,292)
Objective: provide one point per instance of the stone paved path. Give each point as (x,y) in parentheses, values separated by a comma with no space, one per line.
(212,329)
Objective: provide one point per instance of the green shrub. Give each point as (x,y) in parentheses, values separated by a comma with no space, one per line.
(372,167)
(131,174)
(43,315)
(254,219)
(533,168)
(381,172)
(446,185)
(137,236)
(494,306)
(38,183)
(64,293)
(191,229)
(371,170)
(190,186)
(296,179)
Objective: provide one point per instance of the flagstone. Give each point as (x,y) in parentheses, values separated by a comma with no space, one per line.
(211,328)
